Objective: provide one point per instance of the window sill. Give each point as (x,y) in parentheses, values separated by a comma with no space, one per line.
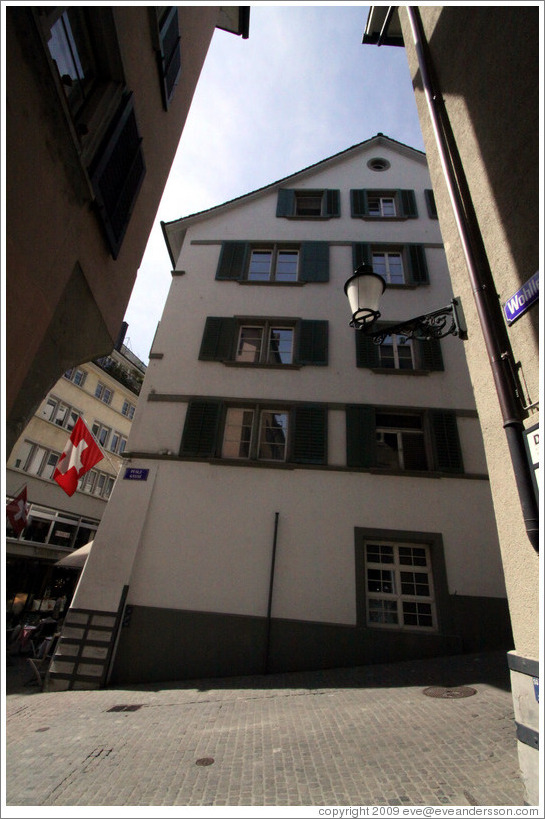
(384,218)
(298,218)
(269,284)
(261,366)
(394,371)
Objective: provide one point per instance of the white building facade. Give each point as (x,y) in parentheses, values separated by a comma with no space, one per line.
(296,497)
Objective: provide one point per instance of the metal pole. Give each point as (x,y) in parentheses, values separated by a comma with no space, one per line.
(482,281)
(271,585)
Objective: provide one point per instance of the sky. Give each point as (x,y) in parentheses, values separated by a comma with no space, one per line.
(300,89)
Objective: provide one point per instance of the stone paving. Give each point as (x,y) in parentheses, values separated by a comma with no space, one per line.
(351,737)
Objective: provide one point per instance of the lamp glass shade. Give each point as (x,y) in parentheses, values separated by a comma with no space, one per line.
(364,290)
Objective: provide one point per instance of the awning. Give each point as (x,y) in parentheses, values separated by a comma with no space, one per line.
(76,559)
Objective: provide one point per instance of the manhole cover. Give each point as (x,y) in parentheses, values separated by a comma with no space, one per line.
(124,708)
(206,760)
(444,693)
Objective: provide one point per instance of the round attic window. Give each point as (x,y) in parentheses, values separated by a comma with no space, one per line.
(378,164)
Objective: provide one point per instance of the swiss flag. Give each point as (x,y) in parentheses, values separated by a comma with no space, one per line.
(17,512)
(80,455)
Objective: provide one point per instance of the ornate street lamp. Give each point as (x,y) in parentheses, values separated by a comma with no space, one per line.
(364,289)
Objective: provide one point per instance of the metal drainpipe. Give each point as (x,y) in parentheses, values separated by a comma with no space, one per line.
(495,335)
(269,603)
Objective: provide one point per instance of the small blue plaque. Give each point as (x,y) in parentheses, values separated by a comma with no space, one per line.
(133,474)
(522,300)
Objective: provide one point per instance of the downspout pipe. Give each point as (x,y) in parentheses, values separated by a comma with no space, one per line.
(270,598)
(482,281)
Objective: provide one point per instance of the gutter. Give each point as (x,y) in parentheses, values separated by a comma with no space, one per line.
(482,281)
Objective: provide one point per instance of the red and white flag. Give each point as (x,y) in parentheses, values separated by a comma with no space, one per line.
(17,511)
(80,455)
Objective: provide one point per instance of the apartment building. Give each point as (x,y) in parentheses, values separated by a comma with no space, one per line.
(296,496)
(104,393)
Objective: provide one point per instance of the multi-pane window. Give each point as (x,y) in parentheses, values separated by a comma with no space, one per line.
(400,441)
(70,47)
(59,413)
(381,205)
(255,432)
(273,264)
(103,393)
(47,525)
(265,341)
(399,586)
(252,433)
(96,483)
(37,460)
(265,344)
(389,265)
(128,410)
(118,443)
(101,433)
(309,204)
(396,352)
(76,376)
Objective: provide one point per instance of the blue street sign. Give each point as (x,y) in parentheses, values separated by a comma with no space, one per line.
(133,474)
(522,300)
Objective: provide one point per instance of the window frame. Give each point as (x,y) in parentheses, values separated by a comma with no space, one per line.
(275,250)
(442,598)
(255,442)
(405,206)
(289,203)
(398,595)
(104,393)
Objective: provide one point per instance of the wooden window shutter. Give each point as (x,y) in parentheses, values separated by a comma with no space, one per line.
(169,56)
(285,205)
(117,173)
(200,429)
(332,203)
(310,434)
(217,340)
(418,267)
(408,203)
(232,261)
(367,352)
(358,203)
(429,355)
(361,254)
(446,441)
(314,262)
(430,203)
(360,435)
(313,342)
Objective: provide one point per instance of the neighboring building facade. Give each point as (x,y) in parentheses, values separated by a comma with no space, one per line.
(296,497)
(96,99)
(104,393)
(479,65)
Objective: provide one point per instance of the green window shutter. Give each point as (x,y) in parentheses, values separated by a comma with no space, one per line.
(200,429)
(360,435)
(446,441)
(217,340)
(358,203)
(332,203)
(310,434)
(429,355)
(408,204)
(232,261)
(361,254)
(430,203)
(367,353)
(418,267)
(314,262)
(117,173)
(313,342)
(285,205)
(169,56)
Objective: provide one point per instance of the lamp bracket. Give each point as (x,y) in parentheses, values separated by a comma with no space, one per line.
(446,321)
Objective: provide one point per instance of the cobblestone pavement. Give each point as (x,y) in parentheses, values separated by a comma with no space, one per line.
(350,737)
